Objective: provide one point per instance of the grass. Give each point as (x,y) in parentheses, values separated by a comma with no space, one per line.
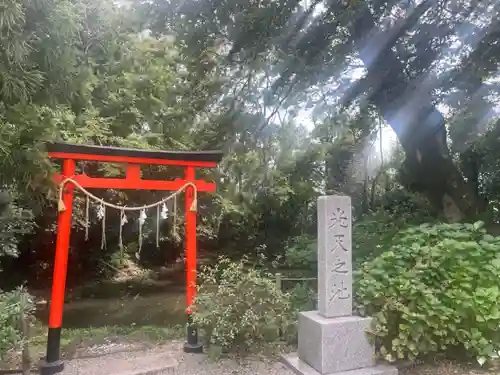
(74,340)
(134,319)
(152,316)
(80,337)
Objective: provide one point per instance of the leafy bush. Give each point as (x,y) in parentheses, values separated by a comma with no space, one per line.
(14,307)
(303,297)
(436,289)
(407,205)
(373,232)
(302,254)
(14,223)
(238,308)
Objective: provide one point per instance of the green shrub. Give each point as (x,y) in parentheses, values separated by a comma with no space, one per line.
(15,222)
(436,289)
(302,254)
(238,308)
(14,306)
(407,205)
(373,232)
(372,235)
(303,297)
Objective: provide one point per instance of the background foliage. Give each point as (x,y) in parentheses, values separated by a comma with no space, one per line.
(435,289)
(239,308)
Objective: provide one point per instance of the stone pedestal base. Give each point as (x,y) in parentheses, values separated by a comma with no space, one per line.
(293,362)
(332,345)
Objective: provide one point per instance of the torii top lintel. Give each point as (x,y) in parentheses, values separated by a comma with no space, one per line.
(200,159)
(134,158)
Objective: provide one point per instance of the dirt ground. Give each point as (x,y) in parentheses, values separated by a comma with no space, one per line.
(95,357)
(139,321)
(449,368)
(187,364)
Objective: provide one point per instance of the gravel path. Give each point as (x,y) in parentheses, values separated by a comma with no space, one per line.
(200,365)
(148,361)
(195,364)
(114,362)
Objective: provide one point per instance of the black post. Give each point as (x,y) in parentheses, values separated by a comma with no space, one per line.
(192,345)
(52,364)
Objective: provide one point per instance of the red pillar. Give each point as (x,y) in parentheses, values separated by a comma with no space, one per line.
(192,345)
(53,364)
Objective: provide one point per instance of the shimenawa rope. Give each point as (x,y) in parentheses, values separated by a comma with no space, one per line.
(122,209)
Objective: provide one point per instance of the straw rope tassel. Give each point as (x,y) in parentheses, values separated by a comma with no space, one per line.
(194,205)
(175,218)
(103,234)
(87,217)
(60,204)
(120,235)
(142,220)
(158,226)
(140,241)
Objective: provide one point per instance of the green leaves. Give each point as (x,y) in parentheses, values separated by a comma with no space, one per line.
(14,223)
(13,306)
(478,225)
(239,307)
(437,287)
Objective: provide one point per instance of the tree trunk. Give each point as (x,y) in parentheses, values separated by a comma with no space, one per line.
(407,107)
(337,164)
(431,170)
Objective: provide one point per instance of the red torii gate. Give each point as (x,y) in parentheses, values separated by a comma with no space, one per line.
(133,158)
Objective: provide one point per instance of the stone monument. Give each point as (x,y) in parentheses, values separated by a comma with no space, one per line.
(332,340)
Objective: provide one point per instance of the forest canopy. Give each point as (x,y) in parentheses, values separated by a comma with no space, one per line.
(392,103)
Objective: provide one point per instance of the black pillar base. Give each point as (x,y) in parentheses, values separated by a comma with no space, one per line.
(193,349)
(192,344)
(51,368)
(52,364)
